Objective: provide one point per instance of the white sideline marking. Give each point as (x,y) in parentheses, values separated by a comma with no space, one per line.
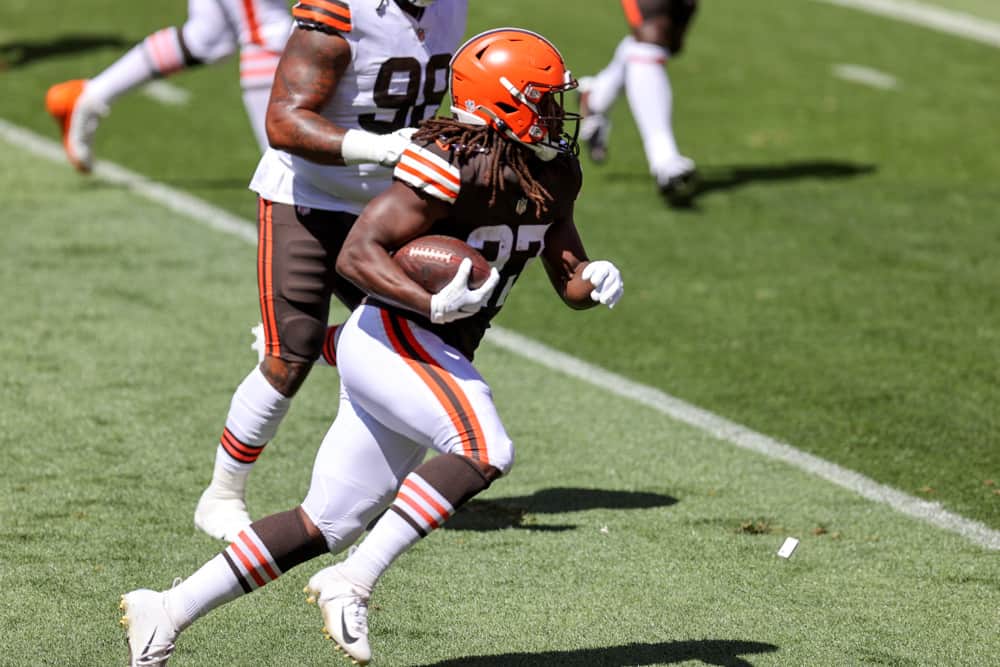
(173,200)
(866,76)
(166,93)
(943,20)
(719,427)
(743,437)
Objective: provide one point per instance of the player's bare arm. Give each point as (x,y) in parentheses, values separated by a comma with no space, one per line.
(309,71)
(389,221)
(564,259)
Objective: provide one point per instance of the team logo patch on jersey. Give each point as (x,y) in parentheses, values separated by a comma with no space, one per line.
(521,206)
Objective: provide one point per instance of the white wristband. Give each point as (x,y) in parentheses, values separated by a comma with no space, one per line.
(359,146)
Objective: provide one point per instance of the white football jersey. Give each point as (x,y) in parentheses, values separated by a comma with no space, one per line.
(397,77)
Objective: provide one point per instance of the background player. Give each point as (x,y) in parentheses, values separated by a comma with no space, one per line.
(658,30)
(214,30)
(503,177)
(352,77)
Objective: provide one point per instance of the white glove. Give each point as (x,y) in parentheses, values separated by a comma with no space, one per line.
(456,300)
(607,282)
(359,146)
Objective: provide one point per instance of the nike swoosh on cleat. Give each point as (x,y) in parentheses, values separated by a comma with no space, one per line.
(145,649)
(343,628)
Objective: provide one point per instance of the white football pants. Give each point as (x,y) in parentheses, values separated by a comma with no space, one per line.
(403,392)
(215,29)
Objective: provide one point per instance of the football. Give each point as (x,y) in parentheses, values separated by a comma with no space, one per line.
(431,261)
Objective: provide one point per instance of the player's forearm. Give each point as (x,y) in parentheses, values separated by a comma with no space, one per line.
(564,259)
(306,134)
(370,267)
(307,77)
(575,291)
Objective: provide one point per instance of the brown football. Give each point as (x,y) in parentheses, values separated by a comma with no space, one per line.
(431,261)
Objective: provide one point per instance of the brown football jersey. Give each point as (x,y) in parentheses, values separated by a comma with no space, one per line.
(508,233)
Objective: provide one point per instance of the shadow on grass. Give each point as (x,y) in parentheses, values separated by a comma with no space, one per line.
(18,53)
(723,652)
(515,512)
(714,179)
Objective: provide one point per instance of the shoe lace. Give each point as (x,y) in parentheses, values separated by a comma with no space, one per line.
(87,116)
(356,613)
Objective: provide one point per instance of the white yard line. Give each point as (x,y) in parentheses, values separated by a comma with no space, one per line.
(866,76)
(202,212)
(948,21)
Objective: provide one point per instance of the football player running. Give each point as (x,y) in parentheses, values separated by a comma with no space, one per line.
(213,31)
(658,30)
(501,176)
(353,78)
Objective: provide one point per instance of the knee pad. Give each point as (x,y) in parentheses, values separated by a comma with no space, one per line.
(502,456)
(302,337)
(342,512)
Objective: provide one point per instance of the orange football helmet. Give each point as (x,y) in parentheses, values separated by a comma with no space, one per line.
(514,80)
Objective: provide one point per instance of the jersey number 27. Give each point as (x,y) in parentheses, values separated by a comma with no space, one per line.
(509,249)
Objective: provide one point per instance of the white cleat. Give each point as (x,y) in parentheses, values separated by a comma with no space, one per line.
(149,631)
(677,180)
(221,513)
(83,124)
(595,128)
(345,612)
(78,116)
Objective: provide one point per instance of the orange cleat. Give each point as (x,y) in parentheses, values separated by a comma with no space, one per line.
(78,118)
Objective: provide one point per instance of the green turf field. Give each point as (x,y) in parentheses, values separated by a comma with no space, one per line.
(833,287)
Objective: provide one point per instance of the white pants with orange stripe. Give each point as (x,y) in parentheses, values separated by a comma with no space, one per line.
(215,29)
(404,392)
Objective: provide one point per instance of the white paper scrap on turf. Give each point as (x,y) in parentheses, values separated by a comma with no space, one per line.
(721,428)
(788,547)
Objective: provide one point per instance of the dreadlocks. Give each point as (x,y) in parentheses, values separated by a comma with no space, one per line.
(470,139)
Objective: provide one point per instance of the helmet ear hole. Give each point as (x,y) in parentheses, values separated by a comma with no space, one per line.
(508,108)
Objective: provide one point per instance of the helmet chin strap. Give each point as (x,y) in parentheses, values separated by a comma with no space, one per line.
(543,151)
(463,116)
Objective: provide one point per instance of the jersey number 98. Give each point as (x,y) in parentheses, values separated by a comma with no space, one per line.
(423,87)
